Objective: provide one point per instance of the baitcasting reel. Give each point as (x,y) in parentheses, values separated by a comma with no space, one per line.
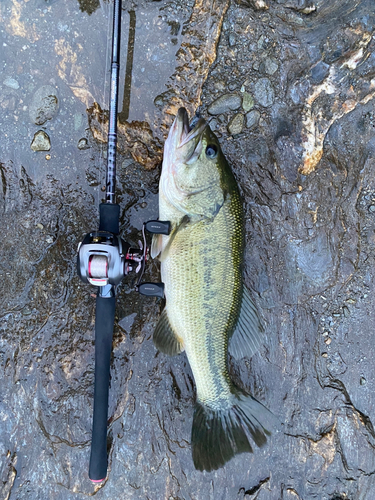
(104,259)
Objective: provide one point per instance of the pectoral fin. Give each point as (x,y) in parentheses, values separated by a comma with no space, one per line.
(156,245)
(165,339)
(248,333)
(184,221)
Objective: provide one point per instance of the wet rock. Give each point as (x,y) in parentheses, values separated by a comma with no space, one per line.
(247,101)
(236,124)
(11,83)
(310,244)
(252,119)
(264,92)
(41,141)
(44,105)
(225,103)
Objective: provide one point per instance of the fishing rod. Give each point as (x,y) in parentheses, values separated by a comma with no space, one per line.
(103,260)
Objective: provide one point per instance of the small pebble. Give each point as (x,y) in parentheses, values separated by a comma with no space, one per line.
(252,119)
(159,101)
(362,381)
(83,144)
(328,341)
(264,93)
(325,355)
(41,142)
(232,39)
(40,226)
(371,208)
(270,66)
(213,124)
(225,103)
(11,83)
(48,157)
(236,124)
(247,101)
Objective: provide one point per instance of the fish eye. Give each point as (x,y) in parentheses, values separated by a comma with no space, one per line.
(211,151)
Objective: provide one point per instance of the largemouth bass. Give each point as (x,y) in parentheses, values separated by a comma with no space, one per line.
(207,305)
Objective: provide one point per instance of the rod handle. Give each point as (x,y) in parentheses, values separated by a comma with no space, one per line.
(104,321)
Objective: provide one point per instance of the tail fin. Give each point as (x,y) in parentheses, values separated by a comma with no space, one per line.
(220,434)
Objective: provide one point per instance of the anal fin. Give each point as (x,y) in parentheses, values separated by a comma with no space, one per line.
(165,339)
(248,333)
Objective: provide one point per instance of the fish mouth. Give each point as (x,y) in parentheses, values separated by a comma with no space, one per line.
(187,136)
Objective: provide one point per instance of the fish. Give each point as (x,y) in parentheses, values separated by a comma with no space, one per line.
(208,310)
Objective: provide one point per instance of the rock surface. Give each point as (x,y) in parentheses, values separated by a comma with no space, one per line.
(307,177)
(44,105)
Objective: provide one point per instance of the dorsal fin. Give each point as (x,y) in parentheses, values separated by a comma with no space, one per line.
(248,332)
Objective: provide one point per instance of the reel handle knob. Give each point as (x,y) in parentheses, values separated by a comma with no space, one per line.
(151,289)
(158,227)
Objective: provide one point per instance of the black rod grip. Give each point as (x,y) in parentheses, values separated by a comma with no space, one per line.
(109,216)
(104,320)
